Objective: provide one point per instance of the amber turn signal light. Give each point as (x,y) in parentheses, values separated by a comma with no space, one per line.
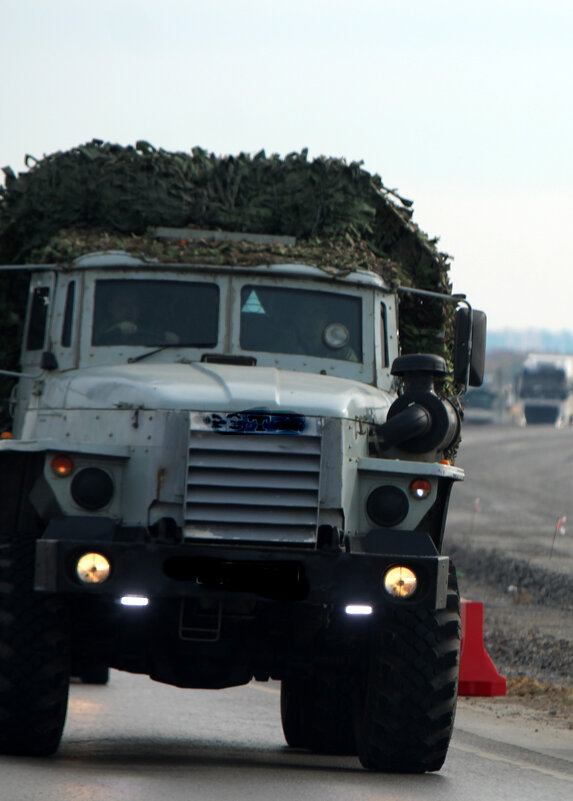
(62,466)
(420,488)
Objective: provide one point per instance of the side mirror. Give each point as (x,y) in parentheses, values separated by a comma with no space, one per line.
(469,347)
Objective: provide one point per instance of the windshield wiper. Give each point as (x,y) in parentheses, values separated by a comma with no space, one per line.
(147,353)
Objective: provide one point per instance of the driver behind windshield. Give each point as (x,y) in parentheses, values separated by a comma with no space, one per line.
(126,317)
(317,333)
(310,323)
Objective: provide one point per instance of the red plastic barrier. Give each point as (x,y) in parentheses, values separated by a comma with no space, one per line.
(478,675)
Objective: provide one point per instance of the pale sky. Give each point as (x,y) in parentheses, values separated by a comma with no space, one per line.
(465,107)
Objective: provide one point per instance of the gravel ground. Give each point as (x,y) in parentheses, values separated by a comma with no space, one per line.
(528,630)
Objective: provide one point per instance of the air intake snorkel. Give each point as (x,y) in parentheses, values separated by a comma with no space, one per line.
(418,421)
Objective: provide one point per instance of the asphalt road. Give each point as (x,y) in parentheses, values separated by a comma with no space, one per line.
(135,740)
(519,483)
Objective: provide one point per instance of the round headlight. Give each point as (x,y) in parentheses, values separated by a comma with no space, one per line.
(400,582)
(93,568)
(336,335)
(387,506)
(92,488)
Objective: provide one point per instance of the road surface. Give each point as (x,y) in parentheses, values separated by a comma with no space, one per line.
(136,740)
(519,484)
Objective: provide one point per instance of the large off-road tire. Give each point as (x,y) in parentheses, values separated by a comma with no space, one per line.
(34,656)
(406,717)
(317,713)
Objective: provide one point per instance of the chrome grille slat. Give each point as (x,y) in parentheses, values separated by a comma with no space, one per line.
(250,461)
(252,533)
(262,515)
(252,486)
(257,496)
(261,478)
(256,442)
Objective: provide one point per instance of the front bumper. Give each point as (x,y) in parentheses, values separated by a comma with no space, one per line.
(222,572)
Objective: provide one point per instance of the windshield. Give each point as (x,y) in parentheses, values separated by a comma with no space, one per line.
(155,313)
(544,383)
(323,324)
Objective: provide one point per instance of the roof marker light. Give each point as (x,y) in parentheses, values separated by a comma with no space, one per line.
(134,600)
(358,609)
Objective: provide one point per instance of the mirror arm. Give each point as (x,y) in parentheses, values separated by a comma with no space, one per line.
(13,374)
(470,343)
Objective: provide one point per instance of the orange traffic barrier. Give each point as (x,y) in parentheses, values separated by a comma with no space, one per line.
(478,674)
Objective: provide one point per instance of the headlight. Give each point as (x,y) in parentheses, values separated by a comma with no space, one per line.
(400,582)
(93,568)
(92,488)
(387,506)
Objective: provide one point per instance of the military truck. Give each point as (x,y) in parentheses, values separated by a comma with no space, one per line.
(223,473)
(545,389)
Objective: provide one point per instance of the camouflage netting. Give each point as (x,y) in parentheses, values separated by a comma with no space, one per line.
(103,196)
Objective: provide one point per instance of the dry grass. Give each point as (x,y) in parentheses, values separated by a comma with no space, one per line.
(525,687)
(538,703)
(549,702)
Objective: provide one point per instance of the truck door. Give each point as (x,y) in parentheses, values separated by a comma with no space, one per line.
(38,318)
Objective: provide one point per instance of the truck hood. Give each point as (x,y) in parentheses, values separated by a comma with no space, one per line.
(214,387)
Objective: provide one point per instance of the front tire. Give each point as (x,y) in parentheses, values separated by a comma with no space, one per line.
(317,713)
(34,656)
(96,673)
(407,712)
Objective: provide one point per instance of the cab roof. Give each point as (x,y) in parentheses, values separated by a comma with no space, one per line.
(114,259)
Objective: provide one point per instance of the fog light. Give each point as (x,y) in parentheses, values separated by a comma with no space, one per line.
(62,466)
(134,600)
(420,488)
(400,582)
(358,609)
(93,568)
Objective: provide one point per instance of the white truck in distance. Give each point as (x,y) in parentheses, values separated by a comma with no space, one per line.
(545,389)
(220,474)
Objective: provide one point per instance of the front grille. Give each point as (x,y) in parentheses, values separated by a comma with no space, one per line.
(541,414)
(253,481)
(278,581)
